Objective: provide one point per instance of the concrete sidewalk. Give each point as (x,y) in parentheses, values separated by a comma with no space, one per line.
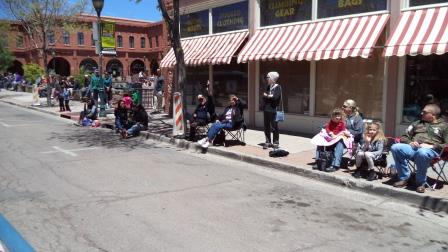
(300,148)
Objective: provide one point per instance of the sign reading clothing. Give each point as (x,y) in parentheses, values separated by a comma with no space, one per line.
(332,8)
(108,37)
(194,24)
(230,17)
(274,12)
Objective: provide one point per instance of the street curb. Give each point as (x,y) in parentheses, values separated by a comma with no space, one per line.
(422,201)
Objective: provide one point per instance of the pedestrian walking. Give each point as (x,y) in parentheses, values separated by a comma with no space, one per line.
(66,95)
(158,91)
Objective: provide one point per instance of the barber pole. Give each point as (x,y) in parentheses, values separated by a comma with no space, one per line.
(179,127)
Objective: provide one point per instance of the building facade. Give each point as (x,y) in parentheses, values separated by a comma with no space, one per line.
(387,55)
(140,45)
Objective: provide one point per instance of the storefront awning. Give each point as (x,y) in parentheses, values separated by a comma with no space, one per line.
(214,49)
(422,32)
(341,38)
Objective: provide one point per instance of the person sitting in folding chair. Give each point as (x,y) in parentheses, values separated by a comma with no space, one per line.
(370,150)
(201,116)
(423,141)
(231,117)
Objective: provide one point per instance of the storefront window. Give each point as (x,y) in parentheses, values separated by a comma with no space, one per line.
(426,82)
(351,78)
(413,3)
(295,82)
(332,8)
(227,80)
(197,78)
(230,17)
(273,12)
(194,24)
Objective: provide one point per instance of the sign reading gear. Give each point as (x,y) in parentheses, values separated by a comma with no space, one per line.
(108,37)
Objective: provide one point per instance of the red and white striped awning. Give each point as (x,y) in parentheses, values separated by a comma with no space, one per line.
(214,49)
(341,38)
(422,32)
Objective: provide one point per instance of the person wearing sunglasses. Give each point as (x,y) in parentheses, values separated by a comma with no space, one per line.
(423,141)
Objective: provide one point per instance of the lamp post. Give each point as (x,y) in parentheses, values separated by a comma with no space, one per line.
(98,5)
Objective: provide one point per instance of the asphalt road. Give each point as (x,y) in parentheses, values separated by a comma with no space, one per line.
(67,188)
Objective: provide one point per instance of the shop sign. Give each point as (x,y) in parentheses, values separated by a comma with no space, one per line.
(230,17)
(413,3)
(274,12)
(194,24)
(108,37)
(332,8)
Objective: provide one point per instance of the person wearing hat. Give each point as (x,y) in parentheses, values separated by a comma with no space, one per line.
(200,116)
(271,100)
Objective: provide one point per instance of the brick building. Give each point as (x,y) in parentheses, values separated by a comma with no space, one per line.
(140,45)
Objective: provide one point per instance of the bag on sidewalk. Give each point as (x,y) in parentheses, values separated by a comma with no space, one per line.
(219,139)
(278,153)
(325,159)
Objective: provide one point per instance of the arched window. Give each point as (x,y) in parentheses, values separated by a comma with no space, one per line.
(80,38)
(131,42)
(142,42)
(119,41)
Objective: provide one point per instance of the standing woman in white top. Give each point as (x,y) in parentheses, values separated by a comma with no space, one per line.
(271,100)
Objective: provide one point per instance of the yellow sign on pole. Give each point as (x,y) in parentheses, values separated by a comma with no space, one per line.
(108,37)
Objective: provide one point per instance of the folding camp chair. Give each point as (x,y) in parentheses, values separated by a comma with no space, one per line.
(381,162)
(438,164)
(235,134)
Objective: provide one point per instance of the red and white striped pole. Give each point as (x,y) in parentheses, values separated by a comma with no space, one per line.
(178,126)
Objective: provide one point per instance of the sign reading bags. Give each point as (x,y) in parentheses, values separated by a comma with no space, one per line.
(194,24)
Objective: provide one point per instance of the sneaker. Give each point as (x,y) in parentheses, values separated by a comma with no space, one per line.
(372,175)
(202,141)
(357,173)
(421,189)
(205,145)
(401,183)
(266,145)
(330,169)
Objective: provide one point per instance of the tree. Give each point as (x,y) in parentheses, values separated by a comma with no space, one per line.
(32,71)
(172,20)
(6,57)
(43,18)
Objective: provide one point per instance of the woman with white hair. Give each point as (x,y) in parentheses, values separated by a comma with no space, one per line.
(271,100)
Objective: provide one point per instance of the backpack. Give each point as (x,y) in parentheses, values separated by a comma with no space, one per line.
(278,153)
(325,159)
(220,138)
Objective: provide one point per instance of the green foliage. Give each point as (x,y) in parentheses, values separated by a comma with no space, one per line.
(79,78)
(32,72)
(6,57)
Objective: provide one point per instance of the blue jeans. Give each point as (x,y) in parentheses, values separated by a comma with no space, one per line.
(338,149)
(118,124)
(216,127)
(421,156)
(135,129)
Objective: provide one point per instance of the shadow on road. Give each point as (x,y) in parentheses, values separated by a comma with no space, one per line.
(90,137)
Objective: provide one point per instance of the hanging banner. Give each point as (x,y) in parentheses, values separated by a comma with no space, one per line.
(108,37)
